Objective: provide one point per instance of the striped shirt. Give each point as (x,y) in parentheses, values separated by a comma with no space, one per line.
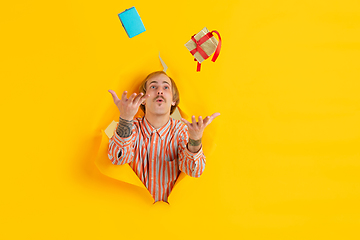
(157,155)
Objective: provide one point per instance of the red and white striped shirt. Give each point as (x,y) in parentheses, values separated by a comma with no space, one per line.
(157,155)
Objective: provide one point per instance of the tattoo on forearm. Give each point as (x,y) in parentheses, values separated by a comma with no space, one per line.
(194,143)
(124,128)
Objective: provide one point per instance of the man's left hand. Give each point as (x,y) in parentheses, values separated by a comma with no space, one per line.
(196,129)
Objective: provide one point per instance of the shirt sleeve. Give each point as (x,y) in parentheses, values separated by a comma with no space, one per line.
(193,164)
(121,150)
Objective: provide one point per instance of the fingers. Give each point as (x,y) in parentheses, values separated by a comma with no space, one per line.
(194,123)
(131,98)
(137,98)
(197,125)
(141,98)
(134,98)
(114,96)
(123,96)
(186,122)
(200,122)
(215,115)
(208,119)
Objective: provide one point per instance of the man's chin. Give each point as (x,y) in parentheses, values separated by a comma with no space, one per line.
(159,109)
(161,113)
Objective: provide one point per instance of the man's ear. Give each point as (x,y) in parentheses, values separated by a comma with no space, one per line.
(173,103)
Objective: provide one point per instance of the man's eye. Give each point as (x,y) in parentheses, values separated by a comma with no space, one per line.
(166,87)
(152,87)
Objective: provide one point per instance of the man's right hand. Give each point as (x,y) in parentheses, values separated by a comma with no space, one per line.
(128,107)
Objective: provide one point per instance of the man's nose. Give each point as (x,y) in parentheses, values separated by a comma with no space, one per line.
(160,92)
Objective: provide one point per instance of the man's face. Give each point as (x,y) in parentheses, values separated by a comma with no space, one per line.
(161,97)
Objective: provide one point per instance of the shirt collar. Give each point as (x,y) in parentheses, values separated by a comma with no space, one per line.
(148,129)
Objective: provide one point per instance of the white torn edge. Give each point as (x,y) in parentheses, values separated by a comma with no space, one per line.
(109,131)
(163,64)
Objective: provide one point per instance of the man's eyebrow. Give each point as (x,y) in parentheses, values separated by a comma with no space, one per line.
(157,82)
(152,82)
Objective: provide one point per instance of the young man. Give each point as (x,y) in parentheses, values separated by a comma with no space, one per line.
(156,146)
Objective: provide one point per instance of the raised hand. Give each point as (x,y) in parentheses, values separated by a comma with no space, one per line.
(196,129)
(128,107)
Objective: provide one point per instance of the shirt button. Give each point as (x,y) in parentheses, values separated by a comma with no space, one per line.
(152,178)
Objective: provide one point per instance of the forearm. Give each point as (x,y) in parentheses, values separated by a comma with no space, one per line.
(194,145)
(193,164)
(124,128)
(120,146)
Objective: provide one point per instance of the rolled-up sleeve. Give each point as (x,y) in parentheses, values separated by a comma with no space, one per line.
(193,164)
(121,150)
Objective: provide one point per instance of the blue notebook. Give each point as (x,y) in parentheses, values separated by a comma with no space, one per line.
(131,21)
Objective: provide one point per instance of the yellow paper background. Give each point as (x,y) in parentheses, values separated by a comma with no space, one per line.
(285,160)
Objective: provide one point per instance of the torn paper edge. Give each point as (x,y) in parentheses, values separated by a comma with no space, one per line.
(163,64)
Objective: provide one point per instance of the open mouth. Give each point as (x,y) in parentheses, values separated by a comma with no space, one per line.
(160,100)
